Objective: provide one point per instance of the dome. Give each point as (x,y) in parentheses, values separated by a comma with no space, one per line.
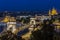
(54,12)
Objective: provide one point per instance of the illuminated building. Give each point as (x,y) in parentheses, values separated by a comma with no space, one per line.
(6,19)
(57,27)
(53,12)
(32,21)
(11,25)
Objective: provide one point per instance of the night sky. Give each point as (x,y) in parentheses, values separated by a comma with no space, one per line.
(21,5)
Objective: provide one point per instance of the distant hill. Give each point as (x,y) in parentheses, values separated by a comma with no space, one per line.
(23,13)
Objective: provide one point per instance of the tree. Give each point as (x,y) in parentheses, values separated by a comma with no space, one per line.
(10,36)
(27,19)
(46,33)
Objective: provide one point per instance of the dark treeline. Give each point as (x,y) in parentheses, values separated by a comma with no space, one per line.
(46,33)
(8,35)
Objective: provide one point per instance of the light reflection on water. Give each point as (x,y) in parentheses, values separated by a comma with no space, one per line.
(4,25)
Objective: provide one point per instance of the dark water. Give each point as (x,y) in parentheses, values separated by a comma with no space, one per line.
(23,32)
(1,29)
(19,33)
(2,26)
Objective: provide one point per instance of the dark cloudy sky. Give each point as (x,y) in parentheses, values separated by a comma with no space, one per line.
(20,5)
